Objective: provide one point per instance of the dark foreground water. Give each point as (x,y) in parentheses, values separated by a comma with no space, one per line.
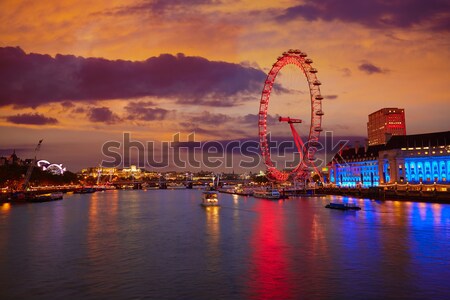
(163,245)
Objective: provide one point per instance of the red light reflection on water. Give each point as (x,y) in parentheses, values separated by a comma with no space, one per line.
(269,275)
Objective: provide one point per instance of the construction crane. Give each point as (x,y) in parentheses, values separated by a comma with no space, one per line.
(31,166)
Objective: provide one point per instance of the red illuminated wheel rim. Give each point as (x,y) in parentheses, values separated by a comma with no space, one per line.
(299,59)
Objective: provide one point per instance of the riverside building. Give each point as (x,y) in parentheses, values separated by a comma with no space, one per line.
(419,158)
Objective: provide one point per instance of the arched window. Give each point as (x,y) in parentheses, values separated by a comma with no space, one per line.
(435,171)
(442,170)
(427,170)
(420,171)
(413,172)
(448,169)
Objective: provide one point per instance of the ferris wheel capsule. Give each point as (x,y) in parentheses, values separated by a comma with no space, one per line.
(320,113)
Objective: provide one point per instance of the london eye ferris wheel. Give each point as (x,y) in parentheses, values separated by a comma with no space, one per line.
(307,147)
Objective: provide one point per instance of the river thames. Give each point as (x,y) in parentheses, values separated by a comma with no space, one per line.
(160,244)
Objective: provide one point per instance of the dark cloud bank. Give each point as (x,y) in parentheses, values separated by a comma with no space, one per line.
(102,115)
(144,111)
(35,79)
(434,14)
(161,6)
(31,119)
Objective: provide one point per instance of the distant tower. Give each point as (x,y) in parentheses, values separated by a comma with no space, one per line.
(385,123)
(13,159)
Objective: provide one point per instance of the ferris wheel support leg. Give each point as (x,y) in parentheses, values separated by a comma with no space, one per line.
(301,150)
(298,142)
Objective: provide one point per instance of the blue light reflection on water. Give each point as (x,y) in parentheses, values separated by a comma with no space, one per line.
(163,245)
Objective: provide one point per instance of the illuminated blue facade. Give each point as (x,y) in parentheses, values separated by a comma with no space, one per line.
(353,174)
(427,169)
(414,158)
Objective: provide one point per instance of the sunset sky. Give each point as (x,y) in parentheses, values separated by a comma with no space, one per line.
(80,73)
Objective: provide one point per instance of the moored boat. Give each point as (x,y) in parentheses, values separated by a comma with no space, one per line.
(272,194)
(342,206)
(237,191)
(47,197)
(85,190)
(243,192)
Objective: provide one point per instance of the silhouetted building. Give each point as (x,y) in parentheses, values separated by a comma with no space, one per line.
(385,123)
(13,159)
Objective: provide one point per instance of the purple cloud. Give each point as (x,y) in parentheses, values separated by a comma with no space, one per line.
(371,68)
(67,104)
(158,6)
(210,118)
(102,115)
(331,97)
(31,119)
(35,79)
(79,110)
(252,119)
(212,131)
(375,13)
(143,112)
(196,129)
(214,101)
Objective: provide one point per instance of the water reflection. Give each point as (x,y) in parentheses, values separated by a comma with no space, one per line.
(319,244)
(103,239)
(212,226)
(162,245)
(422,210)
(269,276)
(235,200)
(6,207)
(436,209)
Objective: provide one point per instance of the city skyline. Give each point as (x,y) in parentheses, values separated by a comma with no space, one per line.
(158,68)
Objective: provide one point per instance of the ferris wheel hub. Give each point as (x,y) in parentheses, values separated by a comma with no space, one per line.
(289,120)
